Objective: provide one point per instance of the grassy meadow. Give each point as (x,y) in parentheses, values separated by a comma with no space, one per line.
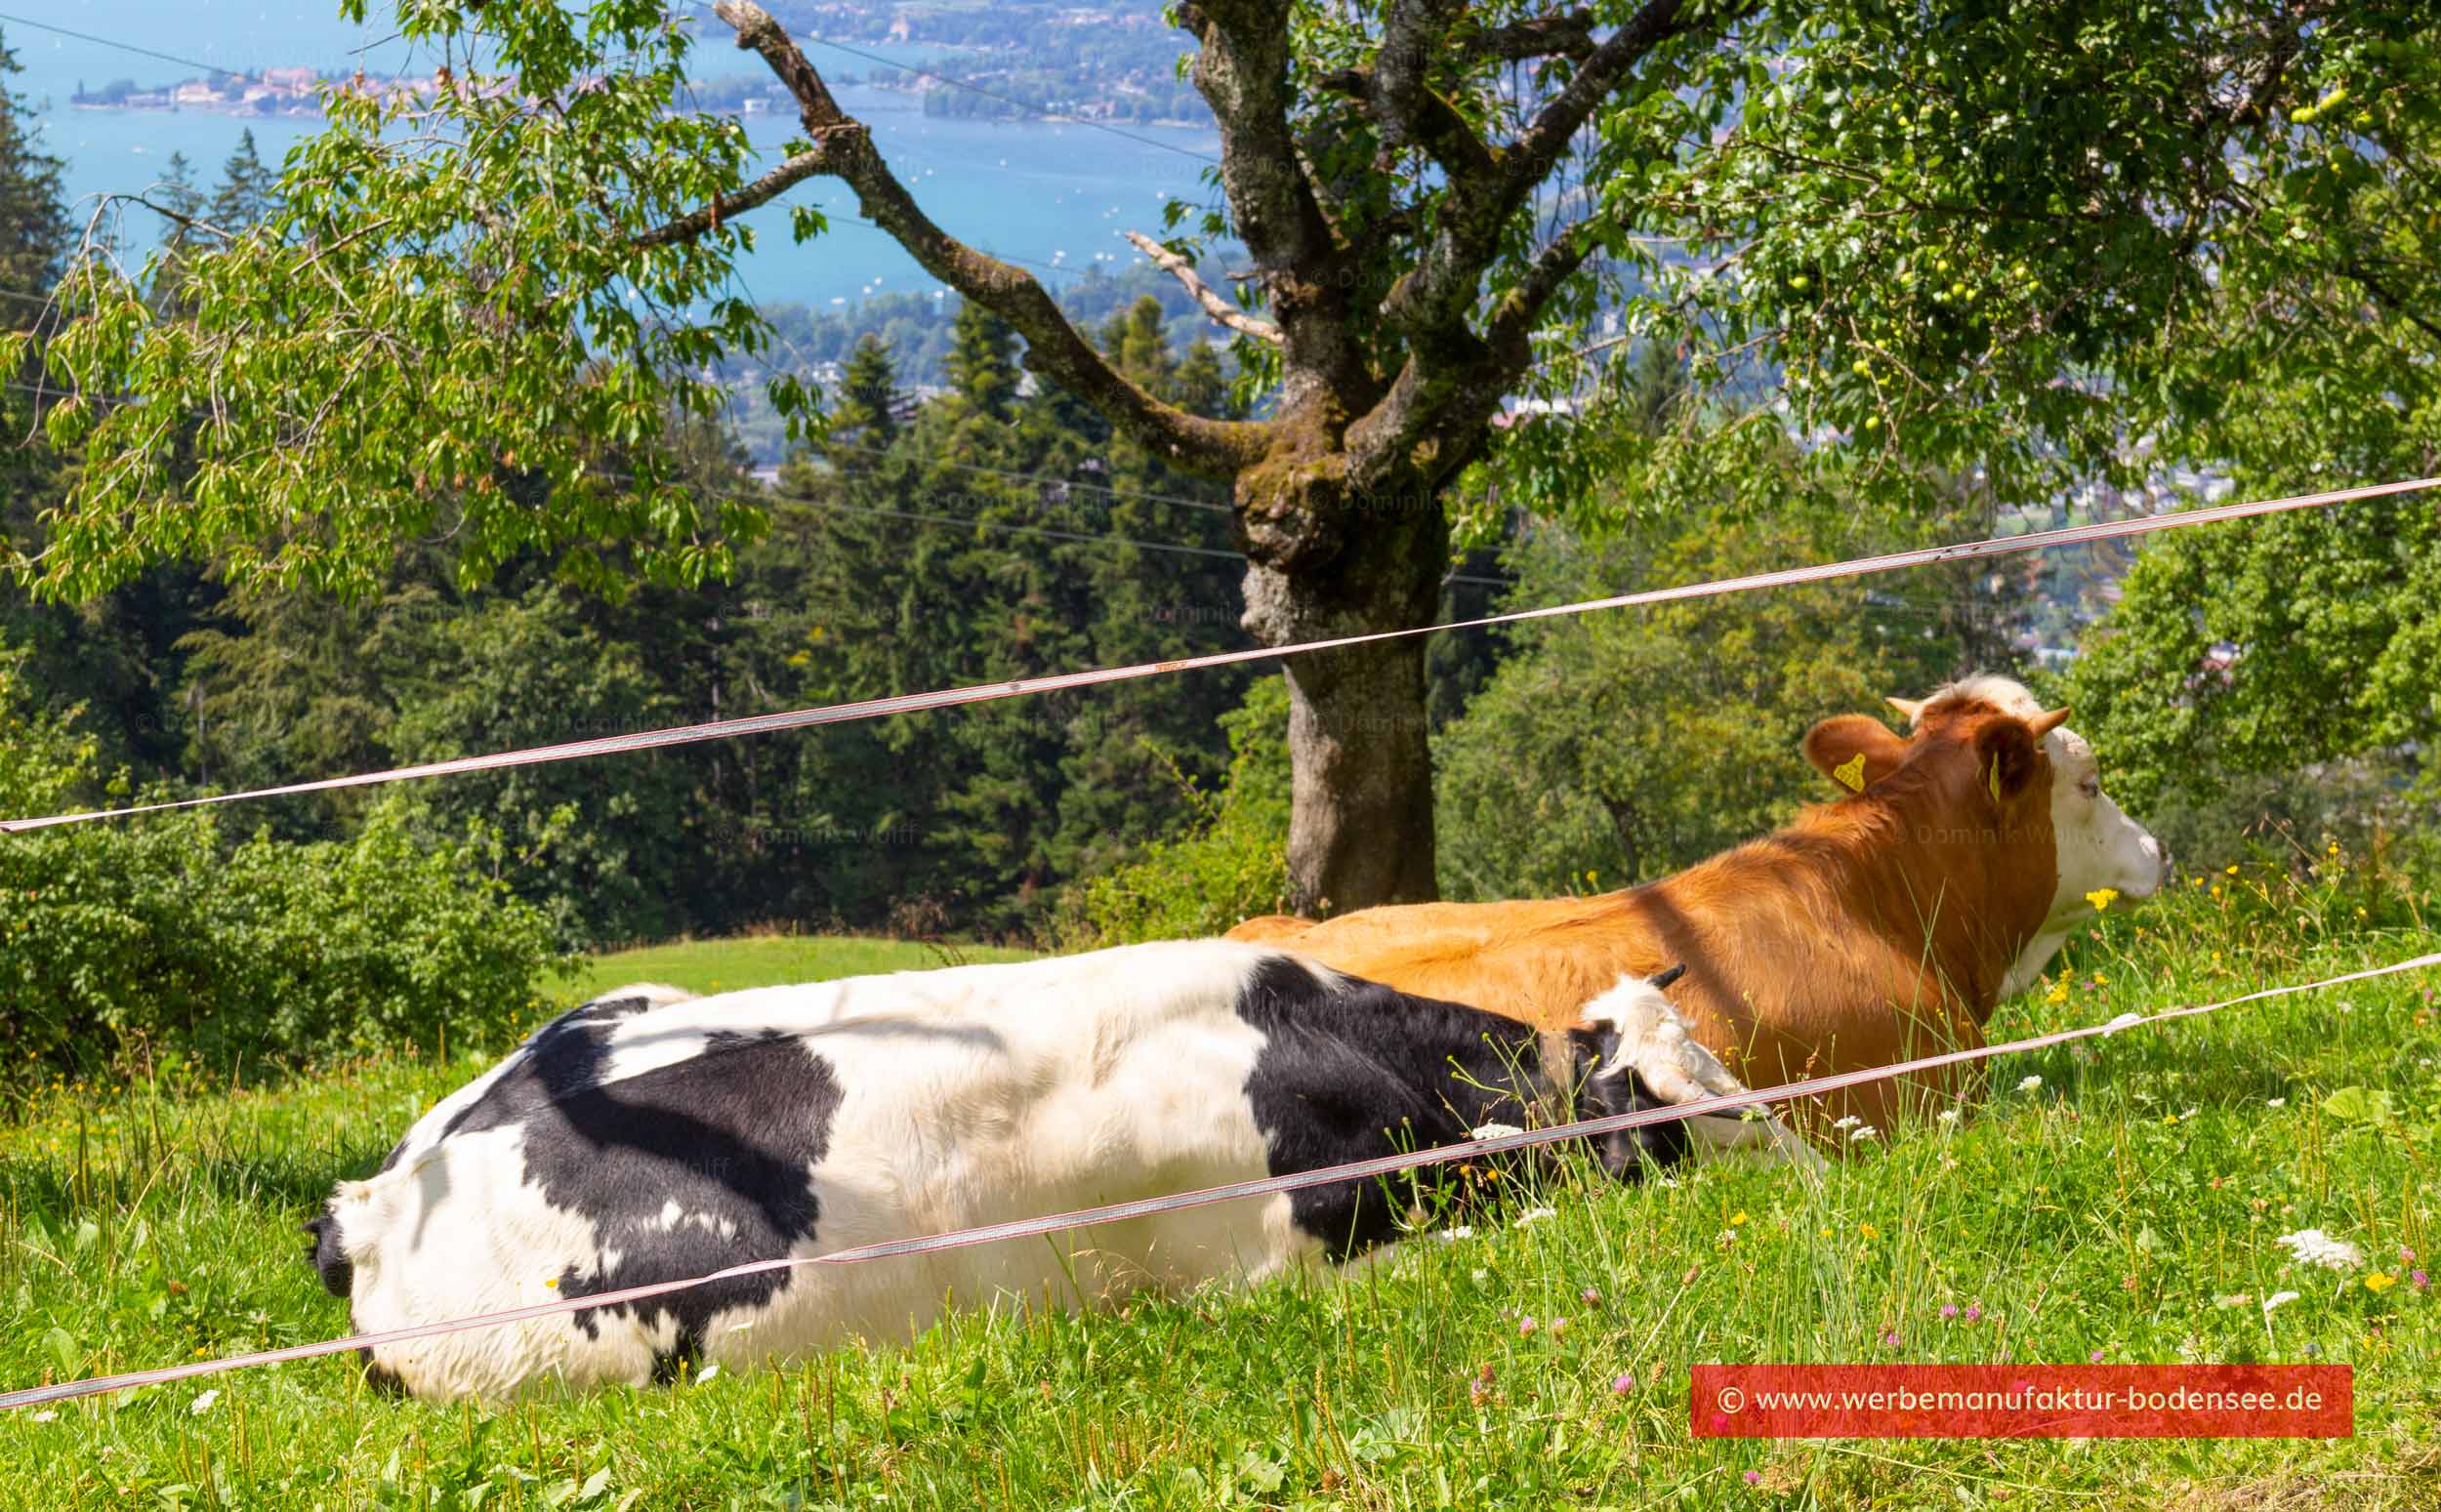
(766,961)
(2124,1209)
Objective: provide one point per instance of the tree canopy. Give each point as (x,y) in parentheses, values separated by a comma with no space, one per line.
(1896,246)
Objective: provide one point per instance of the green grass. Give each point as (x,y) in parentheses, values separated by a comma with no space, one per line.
(2095,1213)
(766,961)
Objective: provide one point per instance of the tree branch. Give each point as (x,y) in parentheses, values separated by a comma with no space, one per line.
(2357,270)
(1220,309)
(1569,35)
(1400,95)
(772,185)
(842,149)
(1242,71)
(1604,70)
(1437,295)
(1520,309)
(1453,373)
(1423,117)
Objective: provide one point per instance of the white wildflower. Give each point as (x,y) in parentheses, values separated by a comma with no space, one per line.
(1850,1121)
(1494,1131)
(2313,1247)
(1452,1236)
(46,1415)
(2030,1084)
(1536,1216)
(1863,1131)
(2276,1102)
(1946,1116)
(203,1404)
(2279,1299)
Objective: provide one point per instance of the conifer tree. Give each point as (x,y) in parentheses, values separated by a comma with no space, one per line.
(982,362)
(33,215)
(862,427)
(249,187)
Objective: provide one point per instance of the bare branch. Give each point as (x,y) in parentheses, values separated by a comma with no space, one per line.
(1220,309)
(842,149)
(772,185)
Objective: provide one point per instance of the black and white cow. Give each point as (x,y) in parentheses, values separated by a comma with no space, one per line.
(645,1137)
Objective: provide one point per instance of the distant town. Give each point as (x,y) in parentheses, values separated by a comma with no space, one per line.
(273,91)
(1072,62)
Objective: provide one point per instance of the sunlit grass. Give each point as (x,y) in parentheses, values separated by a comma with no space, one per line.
(2112,1210)
(766,961)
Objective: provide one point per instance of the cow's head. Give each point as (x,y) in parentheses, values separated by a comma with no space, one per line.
(1999,765)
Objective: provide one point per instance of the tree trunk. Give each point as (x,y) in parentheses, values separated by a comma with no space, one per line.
(1324,565)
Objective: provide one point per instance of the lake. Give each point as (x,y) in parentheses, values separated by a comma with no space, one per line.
(1056,193)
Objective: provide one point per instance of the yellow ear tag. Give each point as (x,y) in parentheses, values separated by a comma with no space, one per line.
(1851,772)
(1996,779)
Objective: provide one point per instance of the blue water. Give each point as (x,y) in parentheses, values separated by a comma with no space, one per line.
(1057,194)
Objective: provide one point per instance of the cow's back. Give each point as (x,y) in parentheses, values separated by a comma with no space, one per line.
(1773,987)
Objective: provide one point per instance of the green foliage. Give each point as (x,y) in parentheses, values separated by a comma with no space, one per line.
(907,556)
(2260,651)
(159,938)
(597,850)
(1614,748)
(478,346)
(1229,865)
(2016,238)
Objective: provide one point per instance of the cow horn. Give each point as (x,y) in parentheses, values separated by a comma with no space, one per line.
(1912,709)
(1667,977)
(2047,722)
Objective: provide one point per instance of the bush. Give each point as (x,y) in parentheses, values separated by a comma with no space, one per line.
(1232,862)
(129,941)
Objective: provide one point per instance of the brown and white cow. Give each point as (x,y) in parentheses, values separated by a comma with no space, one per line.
(1882,926)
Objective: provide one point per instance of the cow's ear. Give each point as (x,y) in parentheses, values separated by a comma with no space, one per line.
(1854,750)
(2009,756)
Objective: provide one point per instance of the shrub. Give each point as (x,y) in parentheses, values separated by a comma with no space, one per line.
(1231,863)
(120,942)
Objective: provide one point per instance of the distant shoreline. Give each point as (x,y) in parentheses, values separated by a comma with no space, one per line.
(238,109)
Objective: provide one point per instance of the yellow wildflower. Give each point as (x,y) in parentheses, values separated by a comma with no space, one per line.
(2378,1282)
(1869,1231)
(2103,898)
